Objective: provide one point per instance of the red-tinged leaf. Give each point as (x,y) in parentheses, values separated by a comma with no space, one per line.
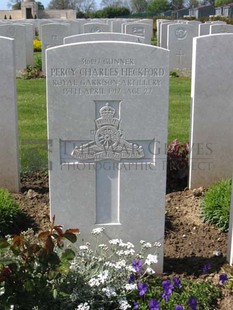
(73,230)
(49,245)
(18,241)
(34,248)
(59,230)
(44,235)
(71,237)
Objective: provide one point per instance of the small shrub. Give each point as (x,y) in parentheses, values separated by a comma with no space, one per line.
(32,267)
(177,165)
(38,63)
(12,219)
(174,74)
(33,72)
(215,206)
(37,44)
(39,272)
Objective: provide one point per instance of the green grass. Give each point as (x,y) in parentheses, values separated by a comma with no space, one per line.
(215,206)
(32,124)
(179,109)
(32,119)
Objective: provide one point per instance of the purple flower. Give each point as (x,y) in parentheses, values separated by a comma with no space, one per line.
(135,305)
(166,295)
(206,268)
(223,278)
(167,285)
(154,304)
(168,288)
(137,265)
(131,279)
(192,302)
(177,282)
(178,307)
(142,288)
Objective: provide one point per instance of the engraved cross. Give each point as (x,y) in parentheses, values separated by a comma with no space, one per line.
(180,54)
(109,150)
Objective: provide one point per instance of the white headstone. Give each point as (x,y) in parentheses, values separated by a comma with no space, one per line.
(140,29)
(75,27)
(221,29)
(116,25)
(230,233)
(103,36)
(30,34)
(105,112)
(52,35)
(158,23)
(9,154)
(204,29)
(96,27)
(18,33)
(163,33)
(211,138)
(179,42)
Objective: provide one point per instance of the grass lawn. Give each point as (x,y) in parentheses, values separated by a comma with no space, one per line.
(32,119)
(32,124)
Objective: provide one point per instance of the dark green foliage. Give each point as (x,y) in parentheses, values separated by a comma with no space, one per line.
(12,219)
(31,268)
(111,12)
(215,206)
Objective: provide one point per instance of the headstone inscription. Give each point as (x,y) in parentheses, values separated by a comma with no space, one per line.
(9,154)
(211,139)
(106,168)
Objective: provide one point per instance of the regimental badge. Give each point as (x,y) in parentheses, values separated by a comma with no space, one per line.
(181,33)
(109,142)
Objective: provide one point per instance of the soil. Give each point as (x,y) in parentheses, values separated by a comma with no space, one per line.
(190,243)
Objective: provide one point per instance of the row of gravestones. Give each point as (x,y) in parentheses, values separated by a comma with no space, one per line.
(107,119)
(177,36)
(52,33)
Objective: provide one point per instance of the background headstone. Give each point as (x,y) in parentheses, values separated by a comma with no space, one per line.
(95,27)
(9,154)
(221,29)
(52,35)
(18,33)
(103,36)
(140,29)
(179,42)
(211,139)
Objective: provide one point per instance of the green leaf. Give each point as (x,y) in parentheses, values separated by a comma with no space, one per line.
(68,255)
(54,293)
(3,243)
(71,237)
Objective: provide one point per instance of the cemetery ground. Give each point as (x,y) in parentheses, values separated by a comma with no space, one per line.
(190,244)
